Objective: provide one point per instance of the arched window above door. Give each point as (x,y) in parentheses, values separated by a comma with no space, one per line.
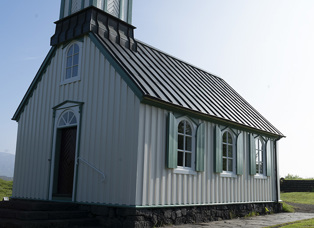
(67,119)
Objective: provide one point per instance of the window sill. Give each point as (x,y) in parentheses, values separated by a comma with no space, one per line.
(68,81)
(184,171)
(260,176)
(228,174)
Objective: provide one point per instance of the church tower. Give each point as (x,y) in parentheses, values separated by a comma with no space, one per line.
(109,19)
(121,9)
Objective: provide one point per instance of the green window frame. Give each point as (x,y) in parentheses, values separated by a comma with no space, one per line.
(185,145)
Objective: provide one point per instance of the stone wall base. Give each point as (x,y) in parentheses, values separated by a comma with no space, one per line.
(156,217)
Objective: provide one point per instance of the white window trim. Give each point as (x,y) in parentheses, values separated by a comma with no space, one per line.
(63,80)
(261,175)
(233,172)
(181,169)
(75,108)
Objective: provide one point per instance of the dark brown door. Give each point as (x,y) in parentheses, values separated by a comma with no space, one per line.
(66,161)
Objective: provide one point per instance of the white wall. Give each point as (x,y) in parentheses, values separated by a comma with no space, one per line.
(108,132)
(158,185)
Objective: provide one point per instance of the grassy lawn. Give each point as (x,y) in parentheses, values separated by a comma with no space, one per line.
(298,197)
(5,189)
(302,223)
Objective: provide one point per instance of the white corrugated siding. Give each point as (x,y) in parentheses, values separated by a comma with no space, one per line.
(108,132)
(157,185)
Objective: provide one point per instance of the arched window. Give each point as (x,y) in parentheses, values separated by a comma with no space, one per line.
(72,62)
(260,148)
(227,152)
(185,145)
(67,119)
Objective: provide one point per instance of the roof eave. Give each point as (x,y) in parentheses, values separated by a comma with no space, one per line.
(33,85)
(176,108)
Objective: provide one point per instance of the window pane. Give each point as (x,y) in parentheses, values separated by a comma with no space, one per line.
(257,168)
(188,160)
(188,129)
(224,150)
(180,142)
(224,164)
(261,168)
(181,127)
(75,59)
(69,61)
(73,121)
(75,71)
(61,123)
(68,74)
(230,165)
(230,151)
(180,159)
(70,52)
(188,143)
(224,138)
(229,138)
(76,49)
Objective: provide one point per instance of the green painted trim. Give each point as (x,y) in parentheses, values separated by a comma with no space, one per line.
(172,143)
(194,114)
(117,66)
(105,6)
(130,7)
(78,148)
(62,9)
(77,103)
(33,85)
(200,148)
(218,150)
(153,206)
(51,150)
(252,155)
(239,153)
(120,10)
(70,8)
(93,3)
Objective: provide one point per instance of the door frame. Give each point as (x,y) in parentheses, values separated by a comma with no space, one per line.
(58,111)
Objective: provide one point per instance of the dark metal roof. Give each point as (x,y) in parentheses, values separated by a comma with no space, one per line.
(156,77)
(168,79)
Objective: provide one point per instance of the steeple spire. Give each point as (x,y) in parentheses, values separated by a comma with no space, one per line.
(121,9)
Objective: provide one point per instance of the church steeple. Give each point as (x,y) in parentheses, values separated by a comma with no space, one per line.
(121,9)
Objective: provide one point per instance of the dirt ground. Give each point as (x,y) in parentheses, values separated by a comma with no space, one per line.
(302,208)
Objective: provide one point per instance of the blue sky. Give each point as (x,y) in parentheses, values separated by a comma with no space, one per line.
(263,48)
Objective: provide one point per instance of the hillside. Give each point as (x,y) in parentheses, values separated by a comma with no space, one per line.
(6,164)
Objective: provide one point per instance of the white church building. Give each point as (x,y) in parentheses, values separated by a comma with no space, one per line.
(109,120)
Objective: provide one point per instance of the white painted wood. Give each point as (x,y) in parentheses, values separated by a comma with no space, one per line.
(118,8)
(108,138)
(182,189)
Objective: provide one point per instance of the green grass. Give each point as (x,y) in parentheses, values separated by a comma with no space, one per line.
(287,208)
(5,189)
(298,197)
(302,223)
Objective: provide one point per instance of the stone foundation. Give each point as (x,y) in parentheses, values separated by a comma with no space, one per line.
(155,217)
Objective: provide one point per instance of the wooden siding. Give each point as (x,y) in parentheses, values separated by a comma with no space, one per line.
(108,140)
(157,185)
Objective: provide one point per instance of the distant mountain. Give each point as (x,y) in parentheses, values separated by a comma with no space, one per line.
(6,178)
(6,164)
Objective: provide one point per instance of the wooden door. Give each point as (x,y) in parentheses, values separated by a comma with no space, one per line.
(66,161)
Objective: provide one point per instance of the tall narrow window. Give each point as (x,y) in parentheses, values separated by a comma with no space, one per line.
(227,152)
(185,149)
(259,146)
(72,62)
